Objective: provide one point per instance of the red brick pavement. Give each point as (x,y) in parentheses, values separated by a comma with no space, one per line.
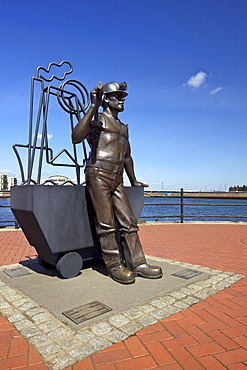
(14,248)
(219,246)
(209,335)
(15,352)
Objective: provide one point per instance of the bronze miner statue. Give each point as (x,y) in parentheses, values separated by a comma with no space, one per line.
(110,155)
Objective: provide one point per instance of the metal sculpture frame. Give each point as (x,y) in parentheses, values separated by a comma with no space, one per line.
(73,104)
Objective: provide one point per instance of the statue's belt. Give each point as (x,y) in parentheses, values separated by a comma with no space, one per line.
(107,166)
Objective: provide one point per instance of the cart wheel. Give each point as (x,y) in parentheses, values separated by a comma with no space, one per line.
(45,264)
(69,265)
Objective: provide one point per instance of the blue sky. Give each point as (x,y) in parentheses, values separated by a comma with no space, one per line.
(185,65)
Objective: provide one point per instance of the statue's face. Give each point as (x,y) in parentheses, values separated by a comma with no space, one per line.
(116,102)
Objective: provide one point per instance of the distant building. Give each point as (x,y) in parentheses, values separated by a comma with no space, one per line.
(7,181)
(56,179)
(3,182)
(12,181)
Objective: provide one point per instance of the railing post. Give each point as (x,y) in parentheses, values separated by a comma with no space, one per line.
(16,223)
(182,205)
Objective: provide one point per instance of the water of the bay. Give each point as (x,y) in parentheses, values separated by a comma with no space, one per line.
(169,209)
(5,213)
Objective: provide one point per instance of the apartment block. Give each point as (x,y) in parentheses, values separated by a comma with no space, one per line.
(7,181)
(3,182)
(12,181)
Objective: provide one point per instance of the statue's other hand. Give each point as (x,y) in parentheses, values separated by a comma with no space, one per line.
(138,183)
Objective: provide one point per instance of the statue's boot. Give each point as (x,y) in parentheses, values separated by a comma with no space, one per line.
(135,258)
(113,261)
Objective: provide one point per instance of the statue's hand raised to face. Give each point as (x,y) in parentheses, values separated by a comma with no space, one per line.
(97,96)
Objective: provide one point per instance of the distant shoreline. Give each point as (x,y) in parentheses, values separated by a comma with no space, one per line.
(5,194)
(190,194)
(199,194)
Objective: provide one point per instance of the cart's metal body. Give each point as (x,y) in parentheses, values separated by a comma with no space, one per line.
(59,222)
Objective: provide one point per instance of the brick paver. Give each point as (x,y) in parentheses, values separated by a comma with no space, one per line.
(209,335)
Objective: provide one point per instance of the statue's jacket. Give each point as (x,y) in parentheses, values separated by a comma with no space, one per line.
(108,140)
(109,143)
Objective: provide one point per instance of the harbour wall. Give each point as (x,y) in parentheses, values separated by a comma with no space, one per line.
(199,194)
(5,194)
(189,194)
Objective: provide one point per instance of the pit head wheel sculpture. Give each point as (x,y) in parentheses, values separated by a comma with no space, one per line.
(73,97)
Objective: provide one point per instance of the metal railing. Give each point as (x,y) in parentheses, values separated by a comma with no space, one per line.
(14,221)
(182,215)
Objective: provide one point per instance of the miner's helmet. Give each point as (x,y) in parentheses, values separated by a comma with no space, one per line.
(113,87)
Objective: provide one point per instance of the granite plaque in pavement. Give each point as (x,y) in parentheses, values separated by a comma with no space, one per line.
(187,273)
(86,311)
(16,272)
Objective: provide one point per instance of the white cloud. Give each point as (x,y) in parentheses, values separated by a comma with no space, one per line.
(197,80)
(215,91)
(6,172)
(48,136)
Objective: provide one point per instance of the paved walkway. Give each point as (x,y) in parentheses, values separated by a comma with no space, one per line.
(211,334)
